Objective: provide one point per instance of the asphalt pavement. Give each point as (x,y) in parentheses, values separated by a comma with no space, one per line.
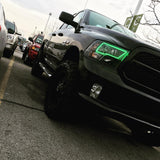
(26,133)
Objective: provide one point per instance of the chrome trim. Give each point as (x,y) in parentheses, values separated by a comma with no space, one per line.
(45,70)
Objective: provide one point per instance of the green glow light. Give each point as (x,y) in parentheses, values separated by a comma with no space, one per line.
(121,53)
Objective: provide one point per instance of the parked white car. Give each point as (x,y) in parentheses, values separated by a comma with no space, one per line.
(3,31)
(12,39)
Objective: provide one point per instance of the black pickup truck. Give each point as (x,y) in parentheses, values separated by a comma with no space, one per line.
(93,57)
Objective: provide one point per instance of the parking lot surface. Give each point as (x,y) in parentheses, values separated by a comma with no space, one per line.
(28,134)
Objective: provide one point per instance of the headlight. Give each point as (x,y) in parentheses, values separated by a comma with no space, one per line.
(100,49)
(35,48)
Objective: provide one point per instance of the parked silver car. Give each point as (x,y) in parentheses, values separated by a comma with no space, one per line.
(3,30)
(12,39)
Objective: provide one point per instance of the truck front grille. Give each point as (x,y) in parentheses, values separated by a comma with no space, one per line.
(143,72)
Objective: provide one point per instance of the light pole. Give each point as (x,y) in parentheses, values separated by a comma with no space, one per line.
(35,30)
(85,4)
(47,23)
(138,7)
(136,11)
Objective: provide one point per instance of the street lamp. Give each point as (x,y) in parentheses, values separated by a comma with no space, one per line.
(47,22)
(85,4)
(135,12)
(35,30)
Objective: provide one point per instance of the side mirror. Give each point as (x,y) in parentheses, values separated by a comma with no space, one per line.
(30,39)
(68,19)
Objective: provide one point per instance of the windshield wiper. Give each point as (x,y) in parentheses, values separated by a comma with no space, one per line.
(108,26)
(114,25)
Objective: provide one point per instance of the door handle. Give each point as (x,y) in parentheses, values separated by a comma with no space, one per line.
(53,34)
(60,34)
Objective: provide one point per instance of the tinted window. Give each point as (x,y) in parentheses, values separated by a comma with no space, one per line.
(10,26)
(96,19)
(77,18)
(64,26)
(39,39)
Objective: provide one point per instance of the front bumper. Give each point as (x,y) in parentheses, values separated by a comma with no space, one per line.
(32,54)
(9,46)
(119,98)
(128,119)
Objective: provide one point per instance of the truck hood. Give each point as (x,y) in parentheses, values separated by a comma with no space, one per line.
(119,39)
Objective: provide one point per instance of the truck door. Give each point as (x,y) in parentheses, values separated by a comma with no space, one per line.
(61,39)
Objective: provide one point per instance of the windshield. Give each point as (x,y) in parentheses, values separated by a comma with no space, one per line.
(10,25)
(96,19)
(122,29)
(39,39)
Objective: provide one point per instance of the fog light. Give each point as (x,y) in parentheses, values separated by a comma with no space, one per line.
(150,132)
(95,90)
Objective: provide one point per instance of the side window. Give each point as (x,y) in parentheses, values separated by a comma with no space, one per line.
(77,18)
(64,25)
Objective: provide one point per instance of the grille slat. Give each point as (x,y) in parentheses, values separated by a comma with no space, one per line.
(149,59)
(143,72)
(147,66)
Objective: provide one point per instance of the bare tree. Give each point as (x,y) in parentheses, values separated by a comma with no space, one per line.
(152,20)
(152,14)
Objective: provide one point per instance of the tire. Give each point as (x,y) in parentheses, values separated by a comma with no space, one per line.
(26,59)
(7,53)
(61,94)
(23,57)
(12,52)
(25,53)
(36,69)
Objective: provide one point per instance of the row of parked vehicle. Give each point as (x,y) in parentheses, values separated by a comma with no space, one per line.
(94,58)
(8,35)
(30,48)
(3,31)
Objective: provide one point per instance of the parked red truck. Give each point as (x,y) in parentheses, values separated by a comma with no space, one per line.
(31,51)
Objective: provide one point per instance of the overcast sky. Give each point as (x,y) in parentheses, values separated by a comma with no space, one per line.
(33,14)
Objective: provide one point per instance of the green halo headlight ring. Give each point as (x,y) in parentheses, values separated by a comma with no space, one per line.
(122,53)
